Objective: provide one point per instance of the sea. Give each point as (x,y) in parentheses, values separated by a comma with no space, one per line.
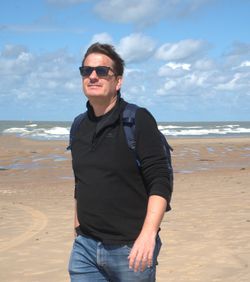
(59,130)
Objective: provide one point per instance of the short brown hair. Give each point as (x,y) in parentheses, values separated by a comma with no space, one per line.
(108,50)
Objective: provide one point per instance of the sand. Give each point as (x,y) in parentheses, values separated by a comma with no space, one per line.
(206,236)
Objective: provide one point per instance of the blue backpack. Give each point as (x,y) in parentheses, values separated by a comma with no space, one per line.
(128,120)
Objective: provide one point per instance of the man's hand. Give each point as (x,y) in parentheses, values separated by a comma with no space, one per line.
(142,252)
(141,255)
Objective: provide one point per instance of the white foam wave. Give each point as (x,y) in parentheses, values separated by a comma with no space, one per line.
(199,131)
(16,130)
(162,127)
(168,126)
(31,125)
(227,125)
(40,133)
(54,132)
(57,131)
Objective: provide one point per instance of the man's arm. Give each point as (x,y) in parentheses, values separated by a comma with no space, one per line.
(141,254)
(150,152)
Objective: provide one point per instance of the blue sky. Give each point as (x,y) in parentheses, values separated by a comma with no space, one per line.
(186,60)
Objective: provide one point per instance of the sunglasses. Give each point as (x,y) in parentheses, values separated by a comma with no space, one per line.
(101,71)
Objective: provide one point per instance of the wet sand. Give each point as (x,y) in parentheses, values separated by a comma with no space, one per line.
(205,236)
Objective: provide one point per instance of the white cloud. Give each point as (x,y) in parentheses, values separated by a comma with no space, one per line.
(189,83)
(31,76)
(238,82)
(128,11)
(182,50)
(15,61)
(191,78)
(103,37)
(139,12)
(46,80)
(174,69)
(133,48)
(145,12)
(204,64)
(13,50)
(170,84)
(136,47)
(238,53)
(245,64)
(129,71)
(179,66)
(204,83)
(238,49)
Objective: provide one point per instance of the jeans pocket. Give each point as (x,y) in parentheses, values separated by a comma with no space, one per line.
(158,245)
(128,248)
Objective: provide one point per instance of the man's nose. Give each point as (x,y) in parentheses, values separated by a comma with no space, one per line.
(93,75)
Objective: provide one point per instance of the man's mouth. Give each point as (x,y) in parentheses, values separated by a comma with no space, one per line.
(94,85)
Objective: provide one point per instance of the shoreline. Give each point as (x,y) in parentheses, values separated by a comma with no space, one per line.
(168,137)
(205,236)
(173,138)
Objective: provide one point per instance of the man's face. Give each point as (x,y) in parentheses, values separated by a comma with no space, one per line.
(100,87)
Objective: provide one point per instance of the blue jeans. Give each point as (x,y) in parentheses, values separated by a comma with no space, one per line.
(94,261)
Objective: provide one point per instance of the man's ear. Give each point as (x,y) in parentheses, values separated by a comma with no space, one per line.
(119,83)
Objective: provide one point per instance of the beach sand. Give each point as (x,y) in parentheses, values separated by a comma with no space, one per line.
(206,236)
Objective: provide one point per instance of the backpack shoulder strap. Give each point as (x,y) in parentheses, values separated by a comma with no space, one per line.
(128,120)
(74,127)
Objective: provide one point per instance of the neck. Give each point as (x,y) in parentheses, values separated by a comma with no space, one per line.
(102,107)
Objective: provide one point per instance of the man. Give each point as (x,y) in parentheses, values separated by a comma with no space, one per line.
(119,206)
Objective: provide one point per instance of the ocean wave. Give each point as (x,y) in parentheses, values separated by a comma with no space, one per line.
(57,133)
(205,132)
(60,130)
(31,125)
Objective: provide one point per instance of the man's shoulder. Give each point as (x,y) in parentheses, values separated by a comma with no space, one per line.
(136,111)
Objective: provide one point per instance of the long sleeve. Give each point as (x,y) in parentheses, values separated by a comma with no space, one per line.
(151,154)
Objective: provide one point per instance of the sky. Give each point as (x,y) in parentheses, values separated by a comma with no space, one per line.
(186,60)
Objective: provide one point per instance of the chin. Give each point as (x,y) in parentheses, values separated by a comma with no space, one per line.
(94,95)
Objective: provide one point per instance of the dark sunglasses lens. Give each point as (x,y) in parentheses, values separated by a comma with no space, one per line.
(86,71)
(102,71)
